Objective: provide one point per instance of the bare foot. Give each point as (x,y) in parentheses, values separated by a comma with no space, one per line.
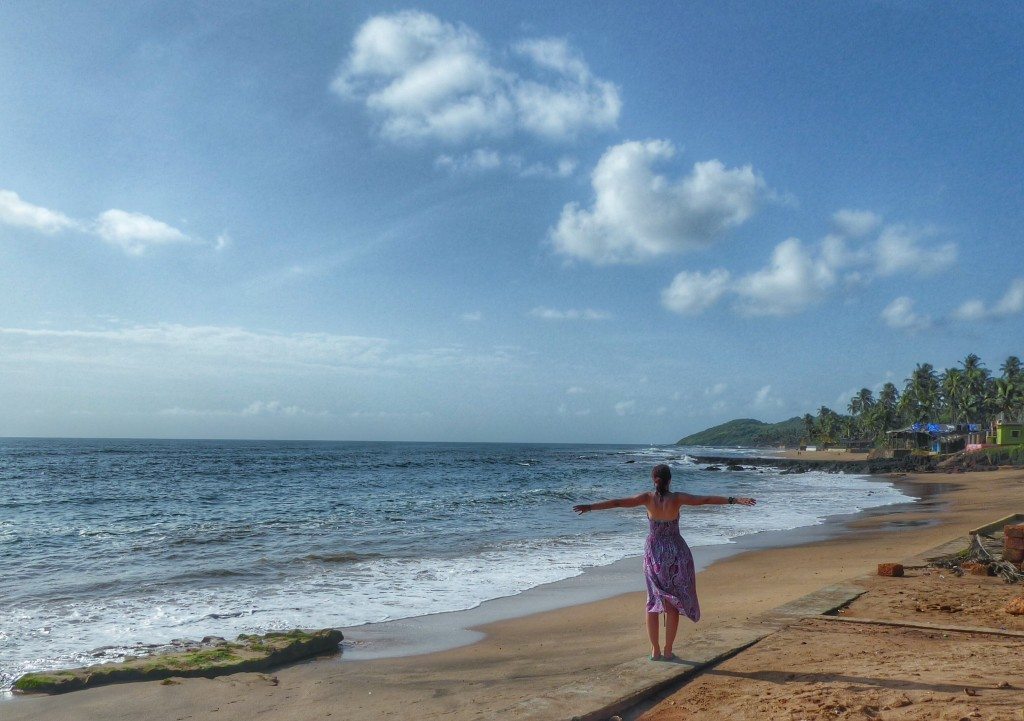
(655,653)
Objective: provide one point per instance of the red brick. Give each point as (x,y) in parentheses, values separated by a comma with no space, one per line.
(1013,555)
(890,569)
(1011,542)
(1015,531)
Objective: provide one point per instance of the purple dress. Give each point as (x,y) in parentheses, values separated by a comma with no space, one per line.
(668,570)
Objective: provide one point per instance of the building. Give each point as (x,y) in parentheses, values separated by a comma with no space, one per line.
(1009,434)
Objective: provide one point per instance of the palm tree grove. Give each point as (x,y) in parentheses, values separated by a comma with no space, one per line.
(968,393)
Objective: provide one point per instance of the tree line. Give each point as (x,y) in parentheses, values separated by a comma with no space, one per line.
(968,393)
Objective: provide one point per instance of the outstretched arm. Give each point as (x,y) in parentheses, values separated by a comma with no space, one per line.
(638,500)
(689,500)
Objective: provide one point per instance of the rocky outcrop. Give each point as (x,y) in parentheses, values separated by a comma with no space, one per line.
(208,658)
(795,465)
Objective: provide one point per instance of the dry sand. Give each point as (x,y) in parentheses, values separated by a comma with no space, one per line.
(520,657)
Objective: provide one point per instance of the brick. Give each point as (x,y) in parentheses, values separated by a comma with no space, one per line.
(1015,607)
(1013,555)
(1011,542)
(975,569)
(1015,531)
(890,569)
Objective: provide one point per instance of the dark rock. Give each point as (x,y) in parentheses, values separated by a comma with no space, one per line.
(713,468)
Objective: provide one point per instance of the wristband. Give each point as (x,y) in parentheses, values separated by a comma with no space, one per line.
(731,500)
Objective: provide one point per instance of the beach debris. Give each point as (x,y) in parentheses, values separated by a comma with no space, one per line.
(249,652)
(970,692)
(977,569)
(1015,607)
(892,570)
(980,551)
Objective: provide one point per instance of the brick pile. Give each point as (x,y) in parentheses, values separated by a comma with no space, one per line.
(1013,543)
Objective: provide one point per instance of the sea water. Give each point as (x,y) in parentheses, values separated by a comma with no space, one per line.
(108,544)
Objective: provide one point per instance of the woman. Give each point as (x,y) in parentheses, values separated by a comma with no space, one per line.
(668,563)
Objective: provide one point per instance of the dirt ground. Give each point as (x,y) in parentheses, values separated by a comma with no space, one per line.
(938,596)
(882,672)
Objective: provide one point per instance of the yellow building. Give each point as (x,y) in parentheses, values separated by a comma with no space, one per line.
(1009,434)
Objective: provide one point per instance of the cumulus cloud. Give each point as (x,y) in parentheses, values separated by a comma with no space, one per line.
(569,314)
(800,275)
(423,78)
(794,279)
(638,214)
(135,233)
(856,223)
(900,314)
(1012,303)
(899,249)
(693,293)
(22,214)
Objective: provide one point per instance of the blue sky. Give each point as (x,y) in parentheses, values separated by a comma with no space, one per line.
(523,222)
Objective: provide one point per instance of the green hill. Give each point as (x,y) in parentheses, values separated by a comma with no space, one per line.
(749,433)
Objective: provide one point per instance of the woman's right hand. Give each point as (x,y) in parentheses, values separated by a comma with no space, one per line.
(581,508)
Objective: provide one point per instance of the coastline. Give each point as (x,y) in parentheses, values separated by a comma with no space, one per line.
(517,657)
(436,632)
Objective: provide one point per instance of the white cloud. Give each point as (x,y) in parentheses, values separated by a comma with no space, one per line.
(483,160)
(638,214)
(899,250)
(17,212)
(793,280)
(625,408)
(134,233)
(716,390)
(574,390)
(473,317)
(223,242)
(856,223)
(479,160)
(1011,303)
(256,408)
(423,78)
(900,314)
(569,314)
(764,398)
(693,293)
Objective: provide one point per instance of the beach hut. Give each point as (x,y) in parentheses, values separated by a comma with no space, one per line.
(1009,434)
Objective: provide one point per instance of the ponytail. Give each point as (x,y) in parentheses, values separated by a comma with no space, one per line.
(662,476)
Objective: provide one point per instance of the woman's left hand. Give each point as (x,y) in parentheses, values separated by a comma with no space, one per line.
(581,508)
(746,501)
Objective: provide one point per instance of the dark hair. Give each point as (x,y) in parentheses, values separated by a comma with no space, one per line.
(662,475)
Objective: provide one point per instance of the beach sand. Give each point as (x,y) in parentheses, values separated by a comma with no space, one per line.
(521,657)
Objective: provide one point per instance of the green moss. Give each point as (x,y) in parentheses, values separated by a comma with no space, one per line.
(209,656)
(32,682)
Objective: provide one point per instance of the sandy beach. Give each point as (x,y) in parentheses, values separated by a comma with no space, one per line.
(520,657)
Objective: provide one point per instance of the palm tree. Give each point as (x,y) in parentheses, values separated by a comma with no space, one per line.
(1011,368)
(954,386)
(921,395)
(808,420)
(977,391)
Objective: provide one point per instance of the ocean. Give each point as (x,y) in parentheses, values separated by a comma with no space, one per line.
(109,545)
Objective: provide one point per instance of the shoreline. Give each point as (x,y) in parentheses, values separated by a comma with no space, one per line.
(514,658)
(448,630)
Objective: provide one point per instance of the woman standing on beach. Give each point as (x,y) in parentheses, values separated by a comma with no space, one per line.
(668,563)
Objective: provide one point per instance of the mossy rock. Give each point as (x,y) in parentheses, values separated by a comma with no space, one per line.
(247,653)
